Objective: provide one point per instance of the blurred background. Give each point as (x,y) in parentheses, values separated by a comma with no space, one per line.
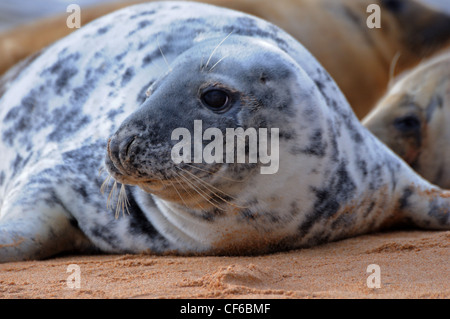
(16,12)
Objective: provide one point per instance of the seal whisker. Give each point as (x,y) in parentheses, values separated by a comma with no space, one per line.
(164,57)
(201,63)
(208,186)
(214,173)
(122,202)
(100,171)
(179,195)
(186,190)
(195,187)
(200,192)
(111,195)
(209,59)
(392,67)
(161,70)
(105,184)
(218,62)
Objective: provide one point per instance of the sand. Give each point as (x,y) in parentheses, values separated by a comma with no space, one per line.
(413,264)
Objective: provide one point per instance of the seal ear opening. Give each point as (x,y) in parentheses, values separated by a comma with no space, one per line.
(263,78)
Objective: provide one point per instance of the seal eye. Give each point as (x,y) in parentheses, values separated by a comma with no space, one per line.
(407,124)
(393,5)
(216,100)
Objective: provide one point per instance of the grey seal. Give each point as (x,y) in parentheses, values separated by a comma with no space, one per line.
(111,94)
(413,119)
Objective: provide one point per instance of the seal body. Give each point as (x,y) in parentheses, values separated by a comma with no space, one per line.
(413,119)
(334,31)
(90,101)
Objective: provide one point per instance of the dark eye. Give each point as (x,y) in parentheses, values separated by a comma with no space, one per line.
(393,5)
(217,100)
(407,124)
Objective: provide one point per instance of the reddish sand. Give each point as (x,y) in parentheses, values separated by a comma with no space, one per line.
(414,264)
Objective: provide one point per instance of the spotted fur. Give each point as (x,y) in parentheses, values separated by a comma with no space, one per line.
(81,105)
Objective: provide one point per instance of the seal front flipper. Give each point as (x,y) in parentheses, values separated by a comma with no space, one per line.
(425,205)
(418,203)
(35,224)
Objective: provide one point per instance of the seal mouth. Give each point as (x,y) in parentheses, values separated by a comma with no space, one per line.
(119,166)
(191,185)
(175,190)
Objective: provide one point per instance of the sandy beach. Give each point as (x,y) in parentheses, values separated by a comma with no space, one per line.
(413,264)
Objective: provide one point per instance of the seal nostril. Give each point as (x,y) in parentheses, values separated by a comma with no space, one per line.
(119,151)
(128,143)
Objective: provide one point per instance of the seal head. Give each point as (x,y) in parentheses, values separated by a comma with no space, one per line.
(224,91)
(412,119)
